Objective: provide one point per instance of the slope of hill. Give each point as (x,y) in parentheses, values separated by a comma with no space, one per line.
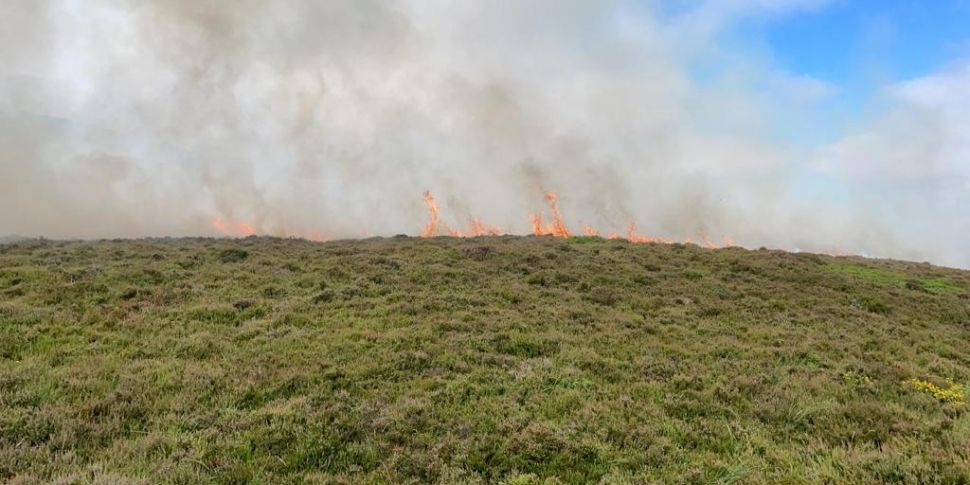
(518,359)
(12,239)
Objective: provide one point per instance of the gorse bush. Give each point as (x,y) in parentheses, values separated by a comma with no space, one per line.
(952,393)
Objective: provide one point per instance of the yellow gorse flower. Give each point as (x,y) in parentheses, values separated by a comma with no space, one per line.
(955,393)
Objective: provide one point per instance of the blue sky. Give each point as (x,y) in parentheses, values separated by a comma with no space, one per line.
(855,49)
(860,50)
(860,46)
(863,43)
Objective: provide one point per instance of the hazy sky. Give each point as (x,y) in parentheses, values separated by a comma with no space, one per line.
(800,124)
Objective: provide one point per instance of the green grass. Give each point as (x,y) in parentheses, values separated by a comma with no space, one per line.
(505,359)
(877,275)
(942,285)
(932,284)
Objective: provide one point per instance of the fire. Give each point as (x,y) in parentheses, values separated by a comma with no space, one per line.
(233,228)
(559,228)
(707,242)
(537,225)
(479,228)
(435,226)
(634,236)
(237,228)
(431,228)
(556,227)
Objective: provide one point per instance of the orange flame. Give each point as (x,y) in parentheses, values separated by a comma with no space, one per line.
(559,228)
(233,228)
(537,228)
(707,242)
(431,228)
(634,236)
(478,228)
(555,228)
(237,228)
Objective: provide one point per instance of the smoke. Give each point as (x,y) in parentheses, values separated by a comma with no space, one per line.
(912,165)
(127,119)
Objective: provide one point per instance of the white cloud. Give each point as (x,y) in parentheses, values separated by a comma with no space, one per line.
(915,161)
(925,134)
(708,17)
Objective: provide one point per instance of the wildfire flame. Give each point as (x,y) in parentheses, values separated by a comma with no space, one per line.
(707,242)
(633,235)
(431,228)
(556,227)
(479,228)
(233,228)
(236,228)
(435,226)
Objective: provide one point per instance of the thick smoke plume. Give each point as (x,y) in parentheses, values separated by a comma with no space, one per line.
(153,118)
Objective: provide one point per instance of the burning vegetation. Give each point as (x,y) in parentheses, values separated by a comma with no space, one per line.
(551,224)
(555,226)
(434,227)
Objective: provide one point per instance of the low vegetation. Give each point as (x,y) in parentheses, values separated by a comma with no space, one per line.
(501,359)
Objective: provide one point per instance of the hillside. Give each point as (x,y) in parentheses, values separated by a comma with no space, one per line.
(516,359)
(11,239)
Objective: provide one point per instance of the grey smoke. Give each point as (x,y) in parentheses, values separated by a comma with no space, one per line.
(149,118)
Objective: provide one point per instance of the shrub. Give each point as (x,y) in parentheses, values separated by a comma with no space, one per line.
(953,393)
(603,296)
(233,255)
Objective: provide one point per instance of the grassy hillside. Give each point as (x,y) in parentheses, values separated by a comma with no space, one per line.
(483,360)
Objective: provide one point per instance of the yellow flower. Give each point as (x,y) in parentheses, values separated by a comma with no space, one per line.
(954,393)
